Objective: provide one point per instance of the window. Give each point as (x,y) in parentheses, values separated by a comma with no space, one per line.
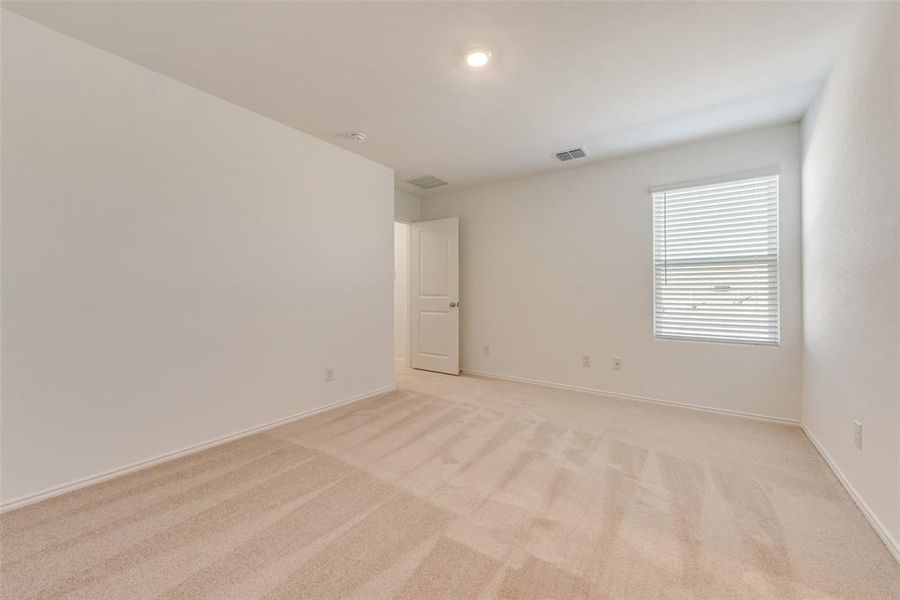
(715,261)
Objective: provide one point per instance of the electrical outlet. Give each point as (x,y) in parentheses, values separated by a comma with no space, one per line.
(857,434)
(585,360)
(486,350)
(617,364)
(329,374)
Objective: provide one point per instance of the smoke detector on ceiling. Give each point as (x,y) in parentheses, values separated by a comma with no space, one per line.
(357,137)
(572,154)
(426,182)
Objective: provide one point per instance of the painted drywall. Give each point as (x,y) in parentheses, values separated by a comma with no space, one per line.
(559,265)
(407,208)
(401,293)
(851,265)
(175,268)
(616,76)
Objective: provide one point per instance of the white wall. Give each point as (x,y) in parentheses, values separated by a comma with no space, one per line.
(175,268)
(407,208)
(851,254)
(401,293)
(556,265)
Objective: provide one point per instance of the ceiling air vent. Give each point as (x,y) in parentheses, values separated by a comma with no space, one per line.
(571,154)
(426,182)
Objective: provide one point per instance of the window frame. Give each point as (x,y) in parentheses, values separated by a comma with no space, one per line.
(727,178)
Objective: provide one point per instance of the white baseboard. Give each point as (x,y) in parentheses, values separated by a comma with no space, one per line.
(575,388)
(144,464)
(876,523)
(401,362)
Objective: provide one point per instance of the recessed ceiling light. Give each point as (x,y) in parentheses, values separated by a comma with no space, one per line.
(478,57)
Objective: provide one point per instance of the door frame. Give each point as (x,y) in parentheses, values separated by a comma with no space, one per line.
(452,366)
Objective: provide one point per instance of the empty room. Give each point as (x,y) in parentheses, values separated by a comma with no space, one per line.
(446,300)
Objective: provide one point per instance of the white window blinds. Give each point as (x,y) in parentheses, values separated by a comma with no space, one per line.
(715,259)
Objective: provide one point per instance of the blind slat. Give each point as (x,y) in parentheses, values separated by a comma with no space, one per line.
(715,261)
(705,188)
(747,197)
(712,212)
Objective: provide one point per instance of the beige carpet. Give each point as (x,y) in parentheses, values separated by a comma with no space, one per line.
(462,487)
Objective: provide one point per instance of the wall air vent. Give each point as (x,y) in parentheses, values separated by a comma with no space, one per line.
(571,154)
(426,182)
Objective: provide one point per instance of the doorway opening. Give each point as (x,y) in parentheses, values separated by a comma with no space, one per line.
(401,294)
(426,295)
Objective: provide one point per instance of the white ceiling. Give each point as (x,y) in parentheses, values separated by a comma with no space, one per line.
(615,77)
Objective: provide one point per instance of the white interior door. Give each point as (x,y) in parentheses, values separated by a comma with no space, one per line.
(434,291)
